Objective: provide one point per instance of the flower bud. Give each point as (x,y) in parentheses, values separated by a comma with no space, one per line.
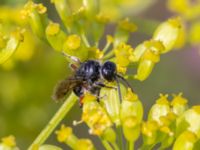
(65,135)
(111,102)
(36,14)
(161,108)
(149,54)
(131,106)
(12,44)
(8,143)
(189,120)
(179,104)
(131,128)
(185,141)
(168,33)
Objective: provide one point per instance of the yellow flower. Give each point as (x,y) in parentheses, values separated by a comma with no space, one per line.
(187,8)
(94,115)
(124,54)
(9,141)
(64,133)
(168,33)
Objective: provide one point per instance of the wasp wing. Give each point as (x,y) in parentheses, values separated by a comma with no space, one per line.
(65,86)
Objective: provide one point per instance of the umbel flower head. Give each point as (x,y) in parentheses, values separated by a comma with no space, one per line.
(117,119)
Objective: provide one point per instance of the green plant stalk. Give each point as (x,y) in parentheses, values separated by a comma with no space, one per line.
(130,145)
(120,137)
(106,144)
(61,113)
(115,146)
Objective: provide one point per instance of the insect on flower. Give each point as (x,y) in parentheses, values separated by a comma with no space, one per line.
(89,76)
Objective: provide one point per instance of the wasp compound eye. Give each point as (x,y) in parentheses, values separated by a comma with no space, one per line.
(108,71)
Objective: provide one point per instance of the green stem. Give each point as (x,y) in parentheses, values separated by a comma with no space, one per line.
(61,113)
(115,146)
(110,54)
(120,137)
(130,145)
(106,144)
(84,38)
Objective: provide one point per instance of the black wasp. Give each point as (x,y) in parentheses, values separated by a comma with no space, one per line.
(88,76)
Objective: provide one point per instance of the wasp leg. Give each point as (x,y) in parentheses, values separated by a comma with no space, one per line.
(125,81)
(103,85)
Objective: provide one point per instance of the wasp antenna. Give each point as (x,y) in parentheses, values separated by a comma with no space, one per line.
(73,58)
(119,89)
(125,81)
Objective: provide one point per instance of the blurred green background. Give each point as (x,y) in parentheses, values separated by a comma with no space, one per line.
(26,84)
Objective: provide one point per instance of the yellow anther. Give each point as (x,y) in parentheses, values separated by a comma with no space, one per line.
(127,25)
(52,28)
(72,42)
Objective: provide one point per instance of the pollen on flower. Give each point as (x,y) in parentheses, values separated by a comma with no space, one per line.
(121,69)
(127,25)
(123,54)
(95,116)
(9,141)
(52,28)
(72,42)
(99,54)
(63,133)
(130,96)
